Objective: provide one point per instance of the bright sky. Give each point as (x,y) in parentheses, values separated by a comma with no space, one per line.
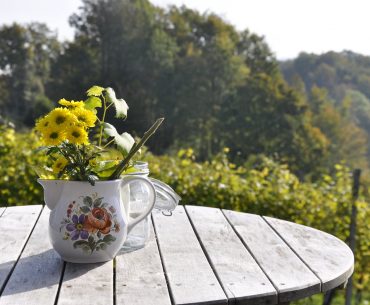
(289,26)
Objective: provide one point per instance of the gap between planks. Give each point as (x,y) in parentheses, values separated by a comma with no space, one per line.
(163,266)
(295,252)
(329,258)
(292,279)
(190,277)
(36,277)
(23,244)
(242,279)
(230,301)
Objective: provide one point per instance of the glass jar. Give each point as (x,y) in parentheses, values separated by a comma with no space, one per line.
(166,201)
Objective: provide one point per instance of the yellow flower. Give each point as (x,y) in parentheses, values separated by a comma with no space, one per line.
(9,135)
(71,104)
(77,135)
(86,117)
(43,124)
(61,117)
(53,136)
(59,165)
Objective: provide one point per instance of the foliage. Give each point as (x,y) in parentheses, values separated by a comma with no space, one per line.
(342,109)
(269,188)
(215,85)
(26,56)
(18,181)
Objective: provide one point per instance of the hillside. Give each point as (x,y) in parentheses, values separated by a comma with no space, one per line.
(345,76)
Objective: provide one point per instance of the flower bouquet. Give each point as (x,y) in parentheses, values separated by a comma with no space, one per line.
(83,178)
(68,133)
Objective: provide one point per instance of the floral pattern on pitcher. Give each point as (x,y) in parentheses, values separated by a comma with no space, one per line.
(90,224)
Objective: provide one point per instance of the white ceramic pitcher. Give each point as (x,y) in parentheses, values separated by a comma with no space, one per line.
(89,224)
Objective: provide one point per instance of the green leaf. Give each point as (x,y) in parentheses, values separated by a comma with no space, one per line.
(101,166)
(109,238)
(103,246)
(52,150)
(80,244)
(131,169)
(119,104)
(105,168)
(95,91)
(124,141)
(85,209)
(92,179)
(98,202)
(88,201)
(93,102)
(44,172)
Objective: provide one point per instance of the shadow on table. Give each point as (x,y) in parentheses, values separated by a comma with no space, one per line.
(43,270)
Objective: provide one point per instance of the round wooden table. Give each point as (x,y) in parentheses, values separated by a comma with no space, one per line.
(198,255)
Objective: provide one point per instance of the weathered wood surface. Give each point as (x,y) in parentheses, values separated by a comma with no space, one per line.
(88,284)
(327,256)
(291,277)
(16,224)
(140,278)
(201,256)
(242,279)
(35,279)
(191,278)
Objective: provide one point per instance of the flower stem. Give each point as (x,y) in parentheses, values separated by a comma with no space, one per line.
(135,148)
(110,142)
(102,120)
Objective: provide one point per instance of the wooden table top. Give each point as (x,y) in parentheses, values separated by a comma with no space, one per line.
(198,255)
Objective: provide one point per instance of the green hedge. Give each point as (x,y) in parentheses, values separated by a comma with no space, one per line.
(18,185)
(271,189)
(266,188)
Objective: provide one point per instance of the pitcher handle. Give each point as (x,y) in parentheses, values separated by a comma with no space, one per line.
(152,196)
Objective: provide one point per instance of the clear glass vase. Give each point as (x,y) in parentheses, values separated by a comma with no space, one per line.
(166,201)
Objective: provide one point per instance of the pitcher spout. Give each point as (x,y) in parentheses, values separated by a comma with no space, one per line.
(52,191)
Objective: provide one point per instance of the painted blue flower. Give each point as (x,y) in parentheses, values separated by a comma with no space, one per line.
(77,227)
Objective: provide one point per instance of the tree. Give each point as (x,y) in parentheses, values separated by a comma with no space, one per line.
(347,142)
(208,72)
(26,54)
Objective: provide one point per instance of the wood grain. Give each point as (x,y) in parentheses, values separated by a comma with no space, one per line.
(242,279)
(206,255)
(190,276)
(90,284)
(290,276)
(35,279)
(16,224)
(327,256)
(140,278)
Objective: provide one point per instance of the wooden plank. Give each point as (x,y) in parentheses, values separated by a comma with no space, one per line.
(242,279)
(35,279)
(2,210)
(88,284)
(16,224)
(190,277)
(327,256)
(140,278)
(290,276)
